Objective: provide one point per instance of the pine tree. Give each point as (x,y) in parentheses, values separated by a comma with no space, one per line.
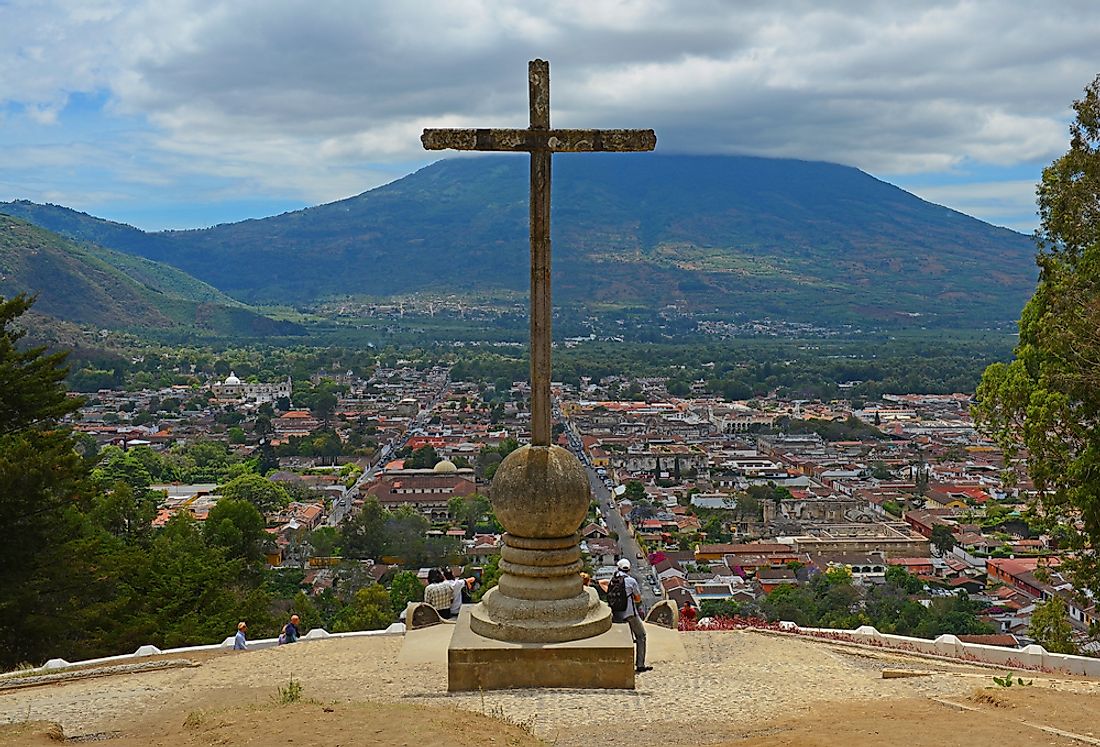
(47,584)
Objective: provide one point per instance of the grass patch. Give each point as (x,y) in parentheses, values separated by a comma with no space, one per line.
(292,693)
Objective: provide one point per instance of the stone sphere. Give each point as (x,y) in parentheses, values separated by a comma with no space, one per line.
(540,491)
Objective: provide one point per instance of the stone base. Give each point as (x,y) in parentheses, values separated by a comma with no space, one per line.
(603,662)
(540,620)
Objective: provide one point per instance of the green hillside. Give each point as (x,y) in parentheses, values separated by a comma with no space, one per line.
(91,285)
(796,240)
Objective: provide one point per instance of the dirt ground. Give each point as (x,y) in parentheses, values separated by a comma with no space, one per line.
(299,724)
(720,688)
(989,716)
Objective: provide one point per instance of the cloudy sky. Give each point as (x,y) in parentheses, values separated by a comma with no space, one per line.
(185,113)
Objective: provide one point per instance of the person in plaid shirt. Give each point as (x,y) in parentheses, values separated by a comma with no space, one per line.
(439,593)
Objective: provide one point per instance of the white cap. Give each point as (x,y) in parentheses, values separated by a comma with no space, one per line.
(624,565)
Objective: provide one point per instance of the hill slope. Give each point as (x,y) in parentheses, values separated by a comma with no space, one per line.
(792,239)
(87,284)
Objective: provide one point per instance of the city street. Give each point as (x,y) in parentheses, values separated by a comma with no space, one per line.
(341,507)
(639,564)
(639,568)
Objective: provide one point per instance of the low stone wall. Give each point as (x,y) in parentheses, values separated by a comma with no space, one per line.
(317,634)
(1029,657)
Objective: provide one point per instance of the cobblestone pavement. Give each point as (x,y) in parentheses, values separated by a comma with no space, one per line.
(725,684)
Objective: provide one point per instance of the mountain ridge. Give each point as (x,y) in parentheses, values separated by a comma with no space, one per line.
(83,283)
(733,234)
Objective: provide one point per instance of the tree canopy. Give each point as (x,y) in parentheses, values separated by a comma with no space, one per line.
(265,495)
(1051,628)
(1045,404)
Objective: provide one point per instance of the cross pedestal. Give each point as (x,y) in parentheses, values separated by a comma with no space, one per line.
(540,626)
(475,662)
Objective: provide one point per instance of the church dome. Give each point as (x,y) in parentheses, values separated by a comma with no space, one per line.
(445,466)
(232,379)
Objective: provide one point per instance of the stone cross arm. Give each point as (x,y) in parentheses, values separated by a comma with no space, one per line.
(535,140)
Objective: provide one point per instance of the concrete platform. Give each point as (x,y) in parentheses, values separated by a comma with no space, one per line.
(426,645)
(663,645)
(475,662)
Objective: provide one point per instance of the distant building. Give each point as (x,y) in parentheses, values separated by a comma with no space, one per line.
(426,490)
(235,390)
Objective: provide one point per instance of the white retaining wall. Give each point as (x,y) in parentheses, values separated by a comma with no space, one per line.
(1028,657)
(317,634)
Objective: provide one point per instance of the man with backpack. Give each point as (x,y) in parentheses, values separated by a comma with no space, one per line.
(624,596)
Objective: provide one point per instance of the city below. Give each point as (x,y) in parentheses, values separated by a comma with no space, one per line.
(737,508)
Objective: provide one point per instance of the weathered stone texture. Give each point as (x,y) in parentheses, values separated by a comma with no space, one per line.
(474,662)
(421,615)
(665,614)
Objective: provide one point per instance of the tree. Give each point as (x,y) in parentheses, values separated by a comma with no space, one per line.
(235,525)
(365,535)
(490,575)
(307,612)
(405,535)
(942,539)
(920,477)
(370,609)
(50,548)
(32,390)
(995,514)
(957,615)
(890,609)
(325,541)
(125,512)
(116,465)
(880,471)
(678,388)
(468,510)
(262,425)
(406,587)
(1047,400)
(266,461)
(423,458)
(323,405)
(748,508)
(265,495)
(727,608)
(193,591)
(903,580)
(1051,628)
(791,603)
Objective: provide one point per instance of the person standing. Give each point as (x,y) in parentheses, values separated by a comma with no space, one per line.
(439,593)
(624,596)
(239,641)
(458,584)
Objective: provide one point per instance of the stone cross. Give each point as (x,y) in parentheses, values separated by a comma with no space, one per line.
(540,141)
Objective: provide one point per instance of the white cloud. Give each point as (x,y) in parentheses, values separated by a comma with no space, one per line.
(305,99)
(1009,203)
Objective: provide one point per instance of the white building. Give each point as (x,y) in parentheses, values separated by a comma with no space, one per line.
(235,390)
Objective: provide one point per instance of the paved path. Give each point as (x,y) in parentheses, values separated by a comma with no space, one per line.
(716,685)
